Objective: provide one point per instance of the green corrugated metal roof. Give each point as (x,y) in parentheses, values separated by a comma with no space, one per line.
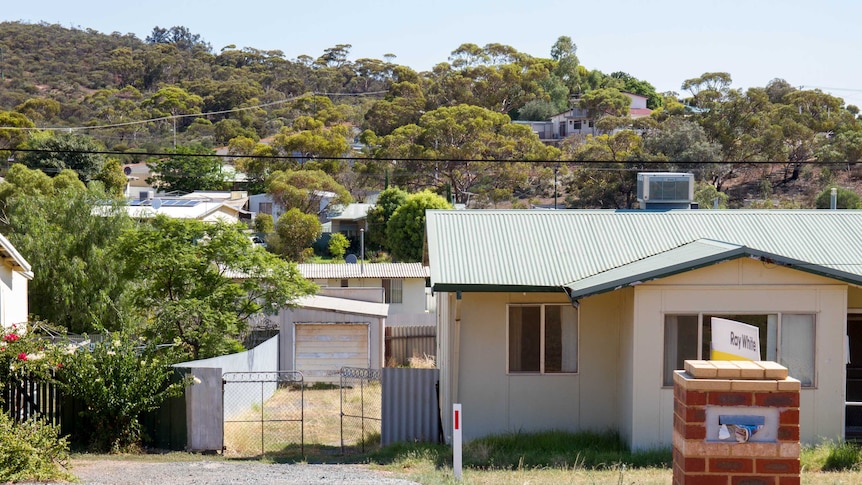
(590,251)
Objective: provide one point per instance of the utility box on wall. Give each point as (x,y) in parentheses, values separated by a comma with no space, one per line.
(734,422)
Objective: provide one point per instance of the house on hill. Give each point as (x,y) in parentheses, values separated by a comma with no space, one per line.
(578,319)
(575,120)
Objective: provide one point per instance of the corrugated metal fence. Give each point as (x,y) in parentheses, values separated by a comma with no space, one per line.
(410,409)
(402,343)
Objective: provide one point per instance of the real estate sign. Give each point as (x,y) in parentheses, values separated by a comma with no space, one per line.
(732,340)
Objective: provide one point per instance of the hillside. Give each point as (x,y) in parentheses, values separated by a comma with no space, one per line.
(439,129)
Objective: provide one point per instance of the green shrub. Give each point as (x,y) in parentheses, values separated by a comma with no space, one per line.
(118,381)
(338,245)
(32,450)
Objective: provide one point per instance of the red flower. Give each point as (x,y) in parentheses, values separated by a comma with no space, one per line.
(22,356)
(11,337)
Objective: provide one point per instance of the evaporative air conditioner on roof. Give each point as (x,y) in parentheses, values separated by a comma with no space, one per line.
(665,190)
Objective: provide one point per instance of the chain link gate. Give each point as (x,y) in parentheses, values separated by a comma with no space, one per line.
(263,412)
(360,407)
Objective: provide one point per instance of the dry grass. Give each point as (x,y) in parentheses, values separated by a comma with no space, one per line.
(278,428)
(422,362)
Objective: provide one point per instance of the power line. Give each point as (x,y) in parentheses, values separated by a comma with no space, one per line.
(410,159)
(190,115)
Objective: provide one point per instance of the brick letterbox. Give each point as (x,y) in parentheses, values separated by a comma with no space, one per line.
(735,422)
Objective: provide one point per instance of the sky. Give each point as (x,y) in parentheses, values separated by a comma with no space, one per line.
(810,44)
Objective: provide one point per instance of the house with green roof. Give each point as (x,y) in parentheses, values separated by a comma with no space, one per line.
(576,319)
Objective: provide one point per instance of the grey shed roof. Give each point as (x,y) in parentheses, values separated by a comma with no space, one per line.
(589,251)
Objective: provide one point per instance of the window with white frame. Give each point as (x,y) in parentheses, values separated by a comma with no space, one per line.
(392,291)
(784,338)
(543,339)
(265,208)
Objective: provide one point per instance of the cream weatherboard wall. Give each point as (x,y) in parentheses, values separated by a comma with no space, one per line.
(494,401)
(739,286)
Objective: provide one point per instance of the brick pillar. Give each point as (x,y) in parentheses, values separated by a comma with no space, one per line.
(707,389)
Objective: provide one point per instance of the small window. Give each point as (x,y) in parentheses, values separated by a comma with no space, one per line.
(344,283)
(265,208)
(543,339)
(392,291)
(577,125)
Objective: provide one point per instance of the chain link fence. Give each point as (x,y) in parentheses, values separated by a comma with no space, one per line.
(264,413)
(360,409)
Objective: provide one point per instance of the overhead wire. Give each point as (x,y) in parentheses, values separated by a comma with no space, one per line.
(187,115)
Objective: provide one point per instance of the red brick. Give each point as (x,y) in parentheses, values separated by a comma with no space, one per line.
(752,480)
(731,465)
(690,414)
(694,465)
(729,398)
(694,432)
(777,466)
(705,479)
(797,480)
(789,416)
(777,399)
(788,433)
(694,398)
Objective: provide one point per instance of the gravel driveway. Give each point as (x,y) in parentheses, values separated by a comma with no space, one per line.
(118,472)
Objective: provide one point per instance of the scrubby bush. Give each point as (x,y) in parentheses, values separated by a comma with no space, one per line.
(118,380)
(338,244)
(32,450)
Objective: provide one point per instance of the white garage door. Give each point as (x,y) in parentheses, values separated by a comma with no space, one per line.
(321,350)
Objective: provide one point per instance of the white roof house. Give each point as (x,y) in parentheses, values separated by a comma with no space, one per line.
(403,287)
(204,205)
(622,298)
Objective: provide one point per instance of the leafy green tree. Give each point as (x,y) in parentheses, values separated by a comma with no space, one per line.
(604,102)
(453,134)
(338,244)
(406,228)
(845,199)
(39,109)
(564,52)
(378,217)
(256,161)
(706,194)
(295,232)
(496,77)
(113,179)
(305,189)
(612,184)
(263,223)
(55,225)
(11,138)
(189,168)
(57,152)
(200,283)
(320,146)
